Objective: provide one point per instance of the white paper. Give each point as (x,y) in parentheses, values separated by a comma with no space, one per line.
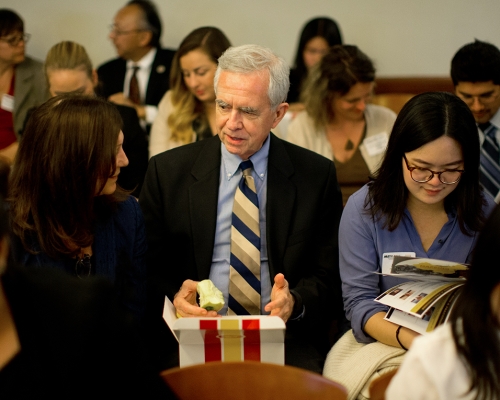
(387,259)
(376,144)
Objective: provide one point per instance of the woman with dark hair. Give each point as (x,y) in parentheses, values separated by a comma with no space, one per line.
(67,210)
(22,85)
(317,36)
(68,69)
(425,201)
(461,359)
(55,329)
(338,122)
(187,111)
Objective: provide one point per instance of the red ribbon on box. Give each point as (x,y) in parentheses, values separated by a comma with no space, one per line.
(215,340)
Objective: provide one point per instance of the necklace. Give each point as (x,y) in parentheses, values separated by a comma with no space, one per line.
(349,145)
(83,267)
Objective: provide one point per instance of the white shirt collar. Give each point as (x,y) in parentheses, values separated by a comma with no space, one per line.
(259,160)
(495,120)
(145,62)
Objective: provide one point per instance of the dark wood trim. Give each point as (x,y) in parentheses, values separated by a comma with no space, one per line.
(413,84)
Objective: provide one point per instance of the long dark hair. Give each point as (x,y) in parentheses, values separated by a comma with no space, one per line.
(427,117)
(67,154)
(474,326)
(323,27)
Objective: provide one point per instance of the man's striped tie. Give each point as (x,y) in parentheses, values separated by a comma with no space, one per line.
(490,161)
(244,274)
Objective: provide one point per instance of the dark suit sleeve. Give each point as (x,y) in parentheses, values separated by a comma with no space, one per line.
(156,233)
(303,212)
(111,77)
(321,292)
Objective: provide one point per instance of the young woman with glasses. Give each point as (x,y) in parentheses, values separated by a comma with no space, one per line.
(425,199)
(22,85)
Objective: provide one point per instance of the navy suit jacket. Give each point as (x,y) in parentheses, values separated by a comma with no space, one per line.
(112,74)
(304,205)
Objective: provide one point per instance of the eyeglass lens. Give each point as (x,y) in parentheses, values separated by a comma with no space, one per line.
(425,175)
(15,40)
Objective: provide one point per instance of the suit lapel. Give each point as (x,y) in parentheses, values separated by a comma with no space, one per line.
(281,193)
(158,72)
(203,195)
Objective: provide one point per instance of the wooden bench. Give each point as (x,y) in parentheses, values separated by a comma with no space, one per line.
(395,92)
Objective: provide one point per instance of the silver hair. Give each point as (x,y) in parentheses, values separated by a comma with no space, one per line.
(252,58)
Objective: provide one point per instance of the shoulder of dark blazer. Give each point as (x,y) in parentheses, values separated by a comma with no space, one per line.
(164,56)
(111,66)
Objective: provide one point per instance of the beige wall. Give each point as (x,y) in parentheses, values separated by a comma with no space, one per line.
(403,37)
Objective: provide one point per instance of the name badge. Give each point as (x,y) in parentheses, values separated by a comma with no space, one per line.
(7,102)
(376,144)
(387,259)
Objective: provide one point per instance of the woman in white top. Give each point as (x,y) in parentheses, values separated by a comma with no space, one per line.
(187,111)
(338,122)
(461,360)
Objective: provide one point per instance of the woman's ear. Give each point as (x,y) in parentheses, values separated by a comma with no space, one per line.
(95,78)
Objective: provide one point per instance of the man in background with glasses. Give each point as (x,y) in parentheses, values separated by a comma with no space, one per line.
(475,71)
(140,76)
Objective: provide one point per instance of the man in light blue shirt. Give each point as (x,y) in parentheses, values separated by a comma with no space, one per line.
(188,198)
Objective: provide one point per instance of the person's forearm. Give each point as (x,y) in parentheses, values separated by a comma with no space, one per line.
(384,331)
(141,111)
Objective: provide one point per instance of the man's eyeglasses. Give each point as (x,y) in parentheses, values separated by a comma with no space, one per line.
(485,99)
(14,40)
(422,175)
(119,32)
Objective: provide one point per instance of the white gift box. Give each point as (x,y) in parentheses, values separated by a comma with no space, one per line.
(228,338)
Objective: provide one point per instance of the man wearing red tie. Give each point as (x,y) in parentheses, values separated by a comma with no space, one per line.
(140,76)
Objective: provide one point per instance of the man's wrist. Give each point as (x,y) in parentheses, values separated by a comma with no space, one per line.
(141,111)
(298,307)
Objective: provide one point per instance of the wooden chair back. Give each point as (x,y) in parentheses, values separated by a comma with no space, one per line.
(394,101)
(379,385)
(250,380)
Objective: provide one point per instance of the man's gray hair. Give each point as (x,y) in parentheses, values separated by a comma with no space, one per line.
(252,58)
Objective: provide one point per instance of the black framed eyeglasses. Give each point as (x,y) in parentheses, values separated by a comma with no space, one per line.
(119,32)
(422,175)
(14,40)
